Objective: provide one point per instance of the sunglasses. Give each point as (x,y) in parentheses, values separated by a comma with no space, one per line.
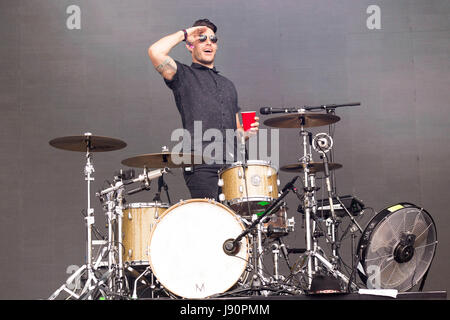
(203,38)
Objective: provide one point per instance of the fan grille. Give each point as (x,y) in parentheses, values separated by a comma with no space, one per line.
(386,236)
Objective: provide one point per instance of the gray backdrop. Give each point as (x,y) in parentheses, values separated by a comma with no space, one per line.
(55,82)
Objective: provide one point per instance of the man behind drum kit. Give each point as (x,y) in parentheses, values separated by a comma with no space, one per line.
(201,94)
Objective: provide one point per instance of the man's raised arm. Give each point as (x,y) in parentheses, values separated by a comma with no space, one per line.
(159,51)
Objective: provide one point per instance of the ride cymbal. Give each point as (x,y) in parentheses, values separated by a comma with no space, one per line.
(313,167)
(302,120)
(164,159)
(85,142)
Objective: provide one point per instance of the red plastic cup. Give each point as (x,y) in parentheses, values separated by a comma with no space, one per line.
(248,117)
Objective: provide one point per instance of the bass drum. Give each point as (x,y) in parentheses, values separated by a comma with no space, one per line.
(186,253)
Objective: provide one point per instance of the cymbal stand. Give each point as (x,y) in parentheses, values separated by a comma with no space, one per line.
(323,143)
(257,249)
(119,240)
(313,251)
(308,202)
(91,280)
(90,220)
(111,217)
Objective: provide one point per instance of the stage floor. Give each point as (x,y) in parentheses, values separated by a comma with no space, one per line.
(430,295)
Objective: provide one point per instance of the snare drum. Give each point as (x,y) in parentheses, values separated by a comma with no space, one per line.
(262,186)
(186,249)
(137,222)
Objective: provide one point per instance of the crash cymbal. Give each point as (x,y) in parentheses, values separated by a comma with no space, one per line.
(313,167)
(299,120)
(81,143)
(164,159)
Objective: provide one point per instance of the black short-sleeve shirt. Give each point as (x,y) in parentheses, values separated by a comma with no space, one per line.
(202,94)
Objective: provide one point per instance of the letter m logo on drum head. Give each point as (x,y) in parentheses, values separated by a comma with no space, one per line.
(200,288)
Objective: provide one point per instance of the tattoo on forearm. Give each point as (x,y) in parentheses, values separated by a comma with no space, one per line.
(164,66)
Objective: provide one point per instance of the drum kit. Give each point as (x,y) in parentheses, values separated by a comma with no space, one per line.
(203,248)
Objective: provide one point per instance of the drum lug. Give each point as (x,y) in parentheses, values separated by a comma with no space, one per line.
(221,197)
(291,224)
(130,217)
(220,183)
(240,174)
(130,253)
(241,189)
(270,189)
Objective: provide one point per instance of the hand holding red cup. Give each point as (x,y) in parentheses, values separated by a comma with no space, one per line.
(250,122)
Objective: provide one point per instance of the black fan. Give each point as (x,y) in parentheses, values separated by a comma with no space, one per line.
(397,247)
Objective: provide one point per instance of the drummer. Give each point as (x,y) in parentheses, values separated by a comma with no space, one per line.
(201,94)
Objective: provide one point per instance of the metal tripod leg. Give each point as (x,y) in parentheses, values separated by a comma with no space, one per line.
(65,286)
(331,268)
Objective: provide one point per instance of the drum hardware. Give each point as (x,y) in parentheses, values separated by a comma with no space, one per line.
(270,110)
(115,216)
(86,143)
(162,184)
(323,143)
(278,225)
(299,118)
(134,296)
(351,203)
(231,246)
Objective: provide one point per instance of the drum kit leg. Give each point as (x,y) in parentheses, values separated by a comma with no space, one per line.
(201,248)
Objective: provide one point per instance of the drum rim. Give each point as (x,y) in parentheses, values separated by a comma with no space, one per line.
(153,204)
(212,201)
(248,199)
(249,163)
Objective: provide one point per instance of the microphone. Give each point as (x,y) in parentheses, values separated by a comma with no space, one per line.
(230,247)
(146,177)
(150,175)
(270,110)
(290,184)
(265,110)
(322,142)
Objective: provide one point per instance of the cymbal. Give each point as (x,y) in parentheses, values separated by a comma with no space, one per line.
(313,167)
(164,159)
(81,143)
(302,119)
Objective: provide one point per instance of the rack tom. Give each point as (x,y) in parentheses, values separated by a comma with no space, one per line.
(256,189)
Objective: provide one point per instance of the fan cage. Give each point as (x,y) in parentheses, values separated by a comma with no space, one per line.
(384,239)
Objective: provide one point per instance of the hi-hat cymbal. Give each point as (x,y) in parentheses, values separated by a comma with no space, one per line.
(314,167)
(83,143)
(301,120)
(164,159)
